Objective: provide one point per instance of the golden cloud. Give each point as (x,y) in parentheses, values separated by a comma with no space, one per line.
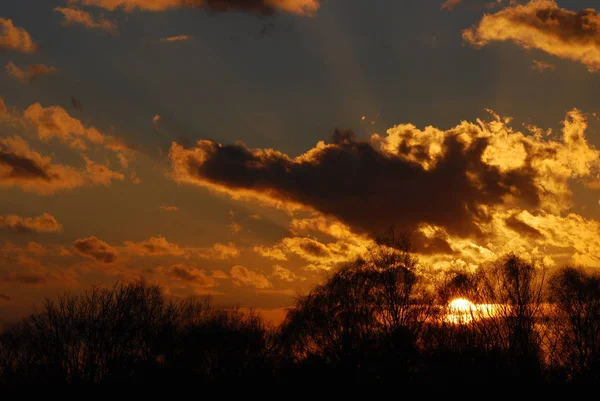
(241,275)
(96,249)
(15,38)
(75,16)
(219,252)
(169,208)
(45,223)
(263,7)
(543,25)
(285,274)
(154,246)
(29,73)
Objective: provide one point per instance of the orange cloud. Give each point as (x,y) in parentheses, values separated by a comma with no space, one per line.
(263,7)
(542,24)
(286,275)
(168,208)
(23,167)
(30,73)
(178,38)
(101,174)
(155,246)
(241,275)
(15,38)
(187,274)
(96,249)
(75,16)
(55,122)
(220,274)
(219,252)
(45,223)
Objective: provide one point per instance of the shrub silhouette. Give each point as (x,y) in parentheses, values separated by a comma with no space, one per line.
(129,332)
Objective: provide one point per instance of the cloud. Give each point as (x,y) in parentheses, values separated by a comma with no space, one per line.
(234,227)
(15,38)
(274,253)
(187,274)
(55,122)
(243,276)
(286,275)
(30,73)
(541,66)
(543,25)
(466,194)
(101,174)
(23,167)
(168,208)
(261,7)
(450,4)
(409,177)
(220,274)
(156,121)
(178,38)
(155,246)
(45,223)
(23,278)
(75,16)
(96,249)
(219,252)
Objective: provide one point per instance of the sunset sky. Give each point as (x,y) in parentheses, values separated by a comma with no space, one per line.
(207,146)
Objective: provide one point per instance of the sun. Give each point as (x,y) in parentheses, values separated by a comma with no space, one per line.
(460,311)
(461,305)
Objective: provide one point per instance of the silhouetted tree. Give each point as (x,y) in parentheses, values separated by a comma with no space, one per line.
(575,295)
(364,320)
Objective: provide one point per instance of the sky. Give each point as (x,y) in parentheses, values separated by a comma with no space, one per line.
(247,149)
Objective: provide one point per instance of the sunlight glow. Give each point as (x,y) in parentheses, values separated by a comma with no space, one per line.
(460,311)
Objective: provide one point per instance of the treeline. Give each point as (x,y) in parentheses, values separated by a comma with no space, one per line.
(380,319)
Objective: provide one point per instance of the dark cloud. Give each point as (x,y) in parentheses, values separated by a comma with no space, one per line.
(96,249)
(23,278)
(21,166)
(364,187)
(514,223)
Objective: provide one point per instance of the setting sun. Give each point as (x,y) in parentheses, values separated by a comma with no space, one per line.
(460,311)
